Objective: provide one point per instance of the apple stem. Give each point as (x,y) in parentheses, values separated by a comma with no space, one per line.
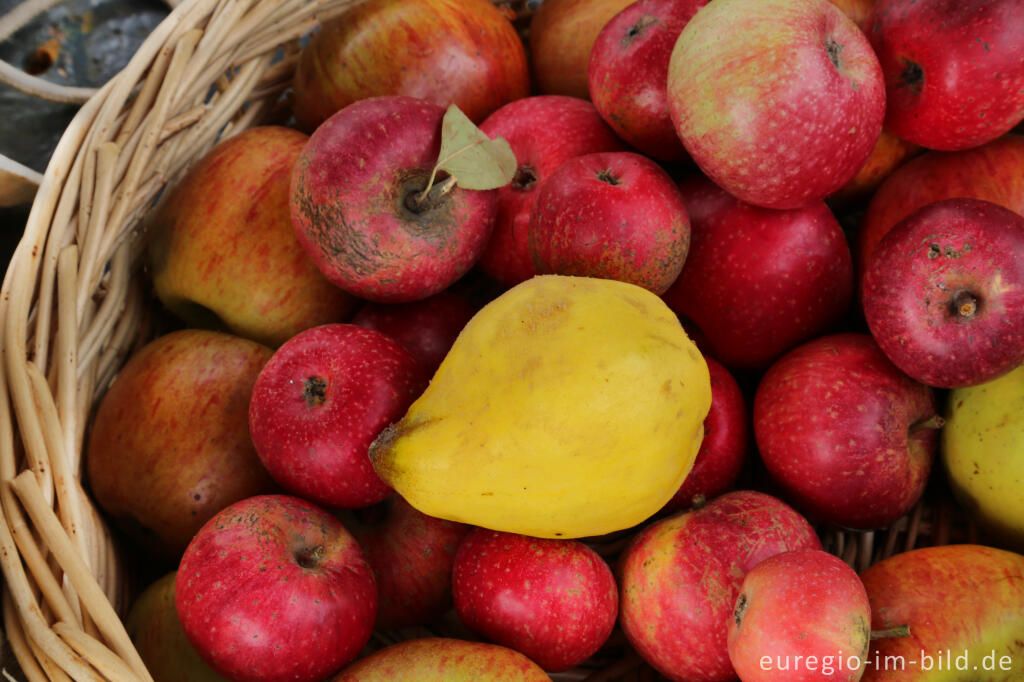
(933,422)
(310,558)
(432,195)
(965,304)
(889,633)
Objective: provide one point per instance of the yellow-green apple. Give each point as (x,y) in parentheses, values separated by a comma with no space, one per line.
(801,616)
(463,52)
(724,448)
(354,203)
(553,600)
(778,101)
(627,72)
(943,293)
(274,588)
(156,631)
(224,253)
(562,35)
(993,172)
(544,132)
(964,607)
(982,449)
(759,281)
(442,659)
(613,215)
(848,437)
(679,579)
(411,555)
(954,77)
(170,443)
(426,328)
(319,402)
(888,154)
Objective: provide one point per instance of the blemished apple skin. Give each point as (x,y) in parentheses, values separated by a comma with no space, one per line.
(349,203)
(463,52)
(957,600)
(224,253)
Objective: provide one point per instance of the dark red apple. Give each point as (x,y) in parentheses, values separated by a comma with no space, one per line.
(354,209)
(954,75)
(628,69)
(801,616)
(544,132)
(274,588)
(615,215)
(726,438)
(553,600)
(848,436)
(320,401)
(425,328)
(464,52)
(411,555)
(680,577)
(944,293)
(758,281)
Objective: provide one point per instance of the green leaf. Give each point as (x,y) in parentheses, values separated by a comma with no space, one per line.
(473,159)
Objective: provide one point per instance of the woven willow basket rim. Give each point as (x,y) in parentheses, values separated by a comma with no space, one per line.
(72,309)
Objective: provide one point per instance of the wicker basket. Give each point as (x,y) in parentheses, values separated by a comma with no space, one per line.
(73,307)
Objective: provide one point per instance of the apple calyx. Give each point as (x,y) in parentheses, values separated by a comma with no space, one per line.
(525,177)
(310,557)
(933,422)
(606,175)
(964,305)
(314,391)
(891,633)
(912,76)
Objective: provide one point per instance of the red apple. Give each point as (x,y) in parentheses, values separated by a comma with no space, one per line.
(464,52)
(614,215)
(757,281)
(411,555)
(993,172)
(726,437)
(170,446)
(954,76)
(680,577)
(944,293)
(562,35)
(627,72)
(353,210)
(274,588)
(801,616)
(425,328)
(553,600)
(321,400)
(778,101)
(850,438)
(964,607)
(544,132)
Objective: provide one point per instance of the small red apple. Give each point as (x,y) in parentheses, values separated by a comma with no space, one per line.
(627,72)
(320,401)
(944,293)
(613,215)
(801,616)
(848,436)
(544,132)
(553,600)
(274,588)
(354,209)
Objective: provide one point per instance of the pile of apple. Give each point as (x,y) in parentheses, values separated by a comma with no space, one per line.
(710,153)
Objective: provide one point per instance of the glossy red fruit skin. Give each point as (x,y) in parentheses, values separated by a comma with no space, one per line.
(348,203)
(680,576)
(725,444)
(757,281)
(611,215)
(319,403)
(274,588)
(628,70)
(464,52)
(553,600)
(838,427)
(954,74)
(544,132)
(426,328)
